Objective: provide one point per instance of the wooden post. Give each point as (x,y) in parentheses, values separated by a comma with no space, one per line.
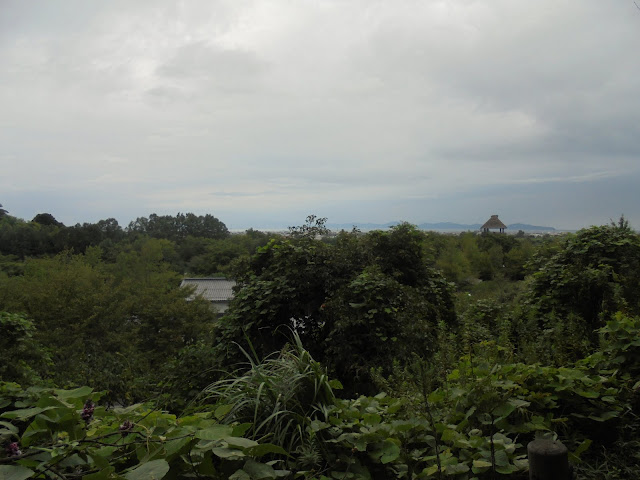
(548,460)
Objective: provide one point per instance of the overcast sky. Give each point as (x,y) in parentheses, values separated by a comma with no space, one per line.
(262,112)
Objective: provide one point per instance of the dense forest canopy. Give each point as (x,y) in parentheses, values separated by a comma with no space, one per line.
(383,354)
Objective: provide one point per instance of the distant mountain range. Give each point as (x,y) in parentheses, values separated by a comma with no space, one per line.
(441,226)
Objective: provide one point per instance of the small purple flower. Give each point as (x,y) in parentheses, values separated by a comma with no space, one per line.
(125,428)
(87,411)
(13,450)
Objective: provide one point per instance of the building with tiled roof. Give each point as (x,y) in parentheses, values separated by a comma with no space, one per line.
(218,291)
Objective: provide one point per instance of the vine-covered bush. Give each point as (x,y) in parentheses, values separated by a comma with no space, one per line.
(66,434)
(281,419)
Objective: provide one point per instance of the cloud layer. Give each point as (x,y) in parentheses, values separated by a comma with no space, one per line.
(262,112)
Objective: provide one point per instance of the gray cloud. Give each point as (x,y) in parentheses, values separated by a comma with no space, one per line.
(356,110)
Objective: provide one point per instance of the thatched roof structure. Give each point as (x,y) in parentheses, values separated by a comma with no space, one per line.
(493,223)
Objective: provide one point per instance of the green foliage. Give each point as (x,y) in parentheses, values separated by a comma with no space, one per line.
(455,266)
(107,325)
(358,302)
(62,434)
(474,426)
(47,219)
(555,352)
(216,257)
(313,228)
(183,377)
(620,344)
(517,259)
(467,258)
(23,239)
(595,273)
(577,285)
(376,320)
(278,397)
(44,235)
(179,227)
(21,356)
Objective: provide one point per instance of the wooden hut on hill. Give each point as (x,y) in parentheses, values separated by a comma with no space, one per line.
(493,223)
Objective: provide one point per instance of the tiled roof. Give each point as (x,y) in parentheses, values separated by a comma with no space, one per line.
(212,289)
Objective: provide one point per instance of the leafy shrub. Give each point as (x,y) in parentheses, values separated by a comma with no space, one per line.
(63,434)
(22,358)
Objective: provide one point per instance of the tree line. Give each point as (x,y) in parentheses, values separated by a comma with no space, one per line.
(477,340)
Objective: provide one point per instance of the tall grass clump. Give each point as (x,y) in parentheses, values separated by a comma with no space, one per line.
(279,396)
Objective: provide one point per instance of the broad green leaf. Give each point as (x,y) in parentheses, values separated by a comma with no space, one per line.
(263,449)
(215,432)
(240,475)
(361,444)
(429,471)
(153,470)
(457,468)
(516,402)
(449,434)
(104,474)
(14,472)
(604,417)
(480,466)
(241,429)
(506,469)
(75,393)
(501,458)
(335,384)
(241,442)
(317,425)
(174,446)
(52,401)
(99,460)
(224,452)
(222,410)
(371,418)
(206,467)
(390,451)
(25,413)
(72,461)
(503,410)
(129,409)
(258,470)
(9,426)
(522,462)
(587,394)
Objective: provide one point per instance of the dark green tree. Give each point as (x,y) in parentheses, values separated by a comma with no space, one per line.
(110,326)
(356,303)
(593,274)
(110,229)
(179,227)
(47,220)
(26,239)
